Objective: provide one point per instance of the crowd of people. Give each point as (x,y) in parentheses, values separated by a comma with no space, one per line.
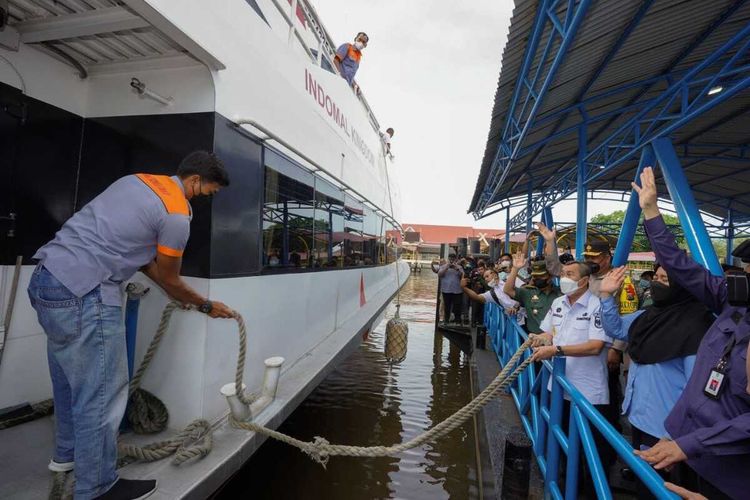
(676,371)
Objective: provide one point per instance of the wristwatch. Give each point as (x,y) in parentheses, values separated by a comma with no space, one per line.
(206,307)
(559,351)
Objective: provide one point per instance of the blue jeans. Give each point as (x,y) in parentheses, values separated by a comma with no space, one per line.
(88,367)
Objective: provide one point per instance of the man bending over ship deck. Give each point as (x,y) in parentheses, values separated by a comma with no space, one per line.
(140,222)
(348,56)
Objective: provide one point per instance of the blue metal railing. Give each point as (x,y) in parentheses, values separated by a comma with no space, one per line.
(541,413)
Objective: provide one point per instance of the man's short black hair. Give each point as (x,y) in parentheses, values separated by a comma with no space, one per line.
(505,255)
(647,274)
(207,165)
(390,130)
(362,33)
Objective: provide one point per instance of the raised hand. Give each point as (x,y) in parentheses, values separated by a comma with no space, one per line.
(549,235)
(647,193)
(613,281)
(520,260)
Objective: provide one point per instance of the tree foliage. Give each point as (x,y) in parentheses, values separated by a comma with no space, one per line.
(611,224)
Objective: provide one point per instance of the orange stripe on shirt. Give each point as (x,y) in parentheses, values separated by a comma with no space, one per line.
(169,252)
(353,53)
(168,191)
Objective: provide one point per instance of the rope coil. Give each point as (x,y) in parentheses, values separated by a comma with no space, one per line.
(147,414)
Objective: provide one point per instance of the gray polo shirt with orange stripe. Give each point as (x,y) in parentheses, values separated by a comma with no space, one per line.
(117,233)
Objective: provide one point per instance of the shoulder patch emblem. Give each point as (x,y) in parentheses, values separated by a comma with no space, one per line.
(597,320)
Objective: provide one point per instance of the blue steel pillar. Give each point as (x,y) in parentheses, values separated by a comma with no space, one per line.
(547,221)
(687,210)
(633,213)
(730,236)
(581,208)
(507,230)
(528,206)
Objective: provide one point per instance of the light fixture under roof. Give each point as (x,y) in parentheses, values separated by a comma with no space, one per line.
(715,90)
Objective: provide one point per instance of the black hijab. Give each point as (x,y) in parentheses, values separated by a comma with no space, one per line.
(671,328)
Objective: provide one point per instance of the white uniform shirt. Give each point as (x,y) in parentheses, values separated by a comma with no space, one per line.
(504,299)
(577,324)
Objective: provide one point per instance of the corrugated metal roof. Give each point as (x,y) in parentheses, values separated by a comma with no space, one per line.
(672,36)
(48,24)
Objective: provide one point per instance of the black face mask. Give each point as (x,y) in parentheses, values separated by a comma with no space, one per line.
(593,266)
(541,282)
(660,293)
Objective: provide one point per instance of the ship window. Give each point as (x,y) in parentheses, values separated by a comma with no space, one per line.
(392,242)
(370,234)
(288,212)
(328,245)
(354,213)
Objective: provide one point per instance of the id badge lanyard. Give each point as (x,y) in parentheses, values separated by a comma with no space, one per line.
(717,376)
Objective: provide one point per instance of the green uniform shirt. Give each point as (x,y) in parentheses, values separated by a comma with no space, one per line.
(537,303)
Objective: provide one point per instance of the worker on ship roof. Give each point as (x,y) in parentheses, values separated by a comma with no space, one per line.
(140,222)
(348,56)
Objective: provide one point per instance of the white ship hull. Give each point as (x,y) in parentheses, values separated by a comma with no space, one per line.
(211,65)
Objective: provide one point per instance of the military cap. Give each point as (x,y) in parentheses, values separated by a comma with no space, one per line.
(538,268)
(596,247)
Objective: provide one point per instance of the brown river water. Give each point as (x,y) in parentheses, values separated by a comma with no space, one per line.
(365,401)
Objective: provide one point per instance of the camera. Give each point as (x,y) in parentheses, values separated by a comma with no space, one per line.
(738,289)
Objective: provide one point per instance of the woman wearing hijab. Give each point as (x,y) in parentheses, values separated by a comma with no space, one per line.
(662,342)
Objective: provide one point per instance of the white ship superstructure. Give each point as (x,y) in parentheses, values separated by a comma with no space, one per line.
(303,243)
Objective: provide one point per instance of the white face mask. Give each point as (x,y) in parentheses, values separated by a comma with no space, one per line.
(492,283)
(568,286)
(359,45)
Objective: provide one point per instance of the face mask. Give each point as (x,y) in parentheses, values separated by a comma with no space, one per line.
(492,283)
(505,264)
(568,286)
(359,45)
(541,282)
(593,266)
(660,292)
(503,275)
(644,284)
(523,274)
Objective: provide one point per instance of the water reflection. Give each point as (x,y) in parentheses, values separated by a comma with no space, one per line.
(367,402)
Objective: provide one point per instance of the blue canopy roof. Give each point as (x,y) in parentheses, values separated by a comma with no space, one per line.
(592,82)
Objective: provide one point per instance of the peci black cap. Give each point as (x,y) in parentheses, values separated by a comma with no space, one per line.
(743,251)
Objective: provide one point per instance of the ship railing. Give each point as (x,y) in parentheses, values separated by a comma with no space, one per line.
(541,415)
(325,52)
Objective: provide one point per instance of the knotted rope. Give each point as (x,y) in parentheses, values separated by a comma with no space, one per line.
(196,440)
(321,450)
(147,414)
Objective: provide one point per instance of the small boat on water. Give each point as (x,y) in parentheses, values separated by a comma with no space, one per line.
(304,243)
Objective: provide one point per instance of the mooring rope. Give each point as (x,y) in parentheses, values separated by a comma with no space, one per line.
(147,414)
(196,440)
(321,450)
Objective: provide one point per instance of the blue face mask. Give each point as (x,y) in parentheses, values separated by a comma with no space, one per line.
(644,284)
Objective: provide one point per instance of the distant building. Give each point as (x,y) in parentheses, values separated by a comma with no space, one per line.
(422,241)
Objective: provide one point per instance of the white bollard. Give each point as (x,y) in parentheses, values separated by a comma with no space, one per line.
(270,384)
(242,412)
